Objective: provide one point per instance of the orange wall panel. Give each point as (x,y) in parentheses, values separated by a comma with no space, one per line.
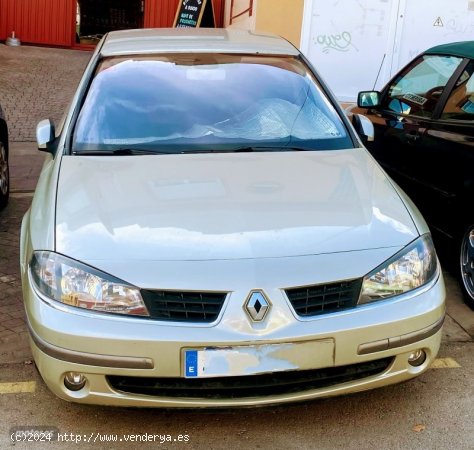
(281,17)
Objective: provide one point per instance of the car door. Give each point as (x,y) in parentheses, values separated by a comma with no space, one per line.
(448,144)
(409,106)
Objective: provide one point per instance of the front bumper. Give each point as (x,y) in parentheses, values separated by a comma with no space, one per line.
(101,346)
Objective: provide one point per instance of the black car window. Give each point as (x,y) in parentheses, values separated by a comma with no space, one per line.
(179,103)
(460,104)
(416,91)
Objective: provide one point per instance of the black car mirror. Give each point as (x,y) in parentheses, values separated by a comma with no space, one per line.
(45,134)
(368,99)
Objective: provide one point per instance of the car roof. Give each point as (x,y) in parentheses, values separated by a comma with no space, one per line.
(463,49)
(197,40)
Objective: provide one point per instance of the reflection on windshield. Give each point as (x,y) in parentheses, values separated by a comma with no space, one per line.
(181,103)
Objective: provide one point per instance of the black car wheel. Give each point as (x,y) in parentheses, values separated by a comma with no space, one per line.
(4,176)
(467,265)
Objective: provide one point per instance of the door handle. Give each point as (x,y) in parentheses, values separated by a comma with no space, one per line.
(413,137)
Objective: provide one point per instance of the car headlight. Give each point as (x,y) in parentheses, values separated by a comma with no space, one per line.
(411,268)
(76,284)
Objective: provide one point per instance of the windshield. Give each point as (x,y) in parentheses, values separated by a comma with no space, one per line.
(180,103)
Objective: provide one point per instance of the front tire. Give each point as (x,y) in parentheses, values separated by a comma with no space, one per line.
(4,176)
(466,259)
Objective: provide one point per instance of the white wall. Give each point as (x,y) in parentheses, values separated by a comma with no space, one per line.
(426,23)
(350,41)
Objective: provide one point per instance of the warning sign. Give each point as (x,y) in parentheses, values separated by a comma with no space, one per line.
(438,22)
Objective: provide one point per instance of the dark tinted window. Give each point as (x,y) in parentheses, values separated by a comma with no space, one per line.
(417,90)
(460,105)
(191,102)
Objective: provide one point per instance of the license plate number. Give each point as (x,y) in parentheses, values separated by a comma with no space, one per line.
(255,359)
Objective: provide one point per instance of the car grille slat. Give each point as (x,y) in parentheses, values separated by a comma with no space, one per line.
(201,307)
(310,301)
(277,383)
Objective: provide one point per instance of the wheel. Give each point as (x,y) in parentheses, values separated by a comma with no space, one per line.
(4,176)
(467,265)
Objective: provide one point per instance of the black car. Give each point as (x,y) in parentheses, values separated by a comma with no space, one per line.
(4,175)
(424,138)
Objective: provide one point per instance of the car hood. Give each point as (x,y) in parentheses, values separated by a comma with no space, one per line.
(226,206)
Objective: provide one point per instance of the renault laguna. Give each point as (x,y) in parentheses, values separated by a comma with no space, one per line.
(208,230)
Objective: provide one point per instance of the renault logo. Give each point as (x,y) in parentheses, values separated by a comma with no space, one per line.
(257,306)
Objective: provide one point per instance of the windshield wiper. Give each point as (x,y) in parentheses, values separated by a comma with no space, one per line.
(250,149)
(121,151)
(269,149)
(127,151)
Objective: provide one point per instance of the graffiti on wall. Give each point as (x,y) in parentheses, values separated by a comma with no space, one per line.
(368,21)
(341,42)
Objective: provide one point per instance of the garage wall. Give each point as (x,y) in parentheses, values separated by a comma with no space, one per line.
(52,22)
(48,22)
(160,13)
(348,42)
(426,23)
(353,44)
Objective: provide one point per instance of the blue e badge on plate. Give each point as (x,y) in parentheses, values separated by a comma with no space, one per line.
(191,363)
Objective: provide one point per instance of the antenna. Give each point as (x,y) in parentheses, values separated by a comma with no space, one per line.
(380,68)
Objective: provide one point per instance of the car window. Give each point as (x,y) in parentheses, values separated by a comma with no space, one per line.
(207,102)
(460,104)
(416,91)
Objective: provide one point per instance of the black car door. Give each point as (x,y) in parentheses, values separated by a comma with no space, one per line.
(449,144)
(404,126)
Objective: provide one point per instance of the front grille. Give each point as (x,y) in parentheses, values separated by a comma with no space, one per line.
(277,383)
(178,306)
(324,298)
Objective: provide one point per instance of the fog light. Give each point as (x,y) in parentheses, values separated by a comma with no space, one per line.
(74,381)
(417,358)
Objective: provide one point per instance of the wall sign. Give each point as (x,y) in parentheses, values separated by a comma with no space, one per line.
(195,14)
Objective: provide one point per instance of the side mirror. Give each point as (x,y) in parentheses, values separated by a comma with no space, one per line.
(45,134)
(368,99)
(364,128)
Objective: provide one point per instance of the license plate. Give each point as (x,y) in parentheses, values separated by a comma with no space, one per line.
(255,359)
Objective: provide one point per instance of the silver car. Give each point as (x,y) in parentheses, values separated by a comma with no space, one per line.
(208,230)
